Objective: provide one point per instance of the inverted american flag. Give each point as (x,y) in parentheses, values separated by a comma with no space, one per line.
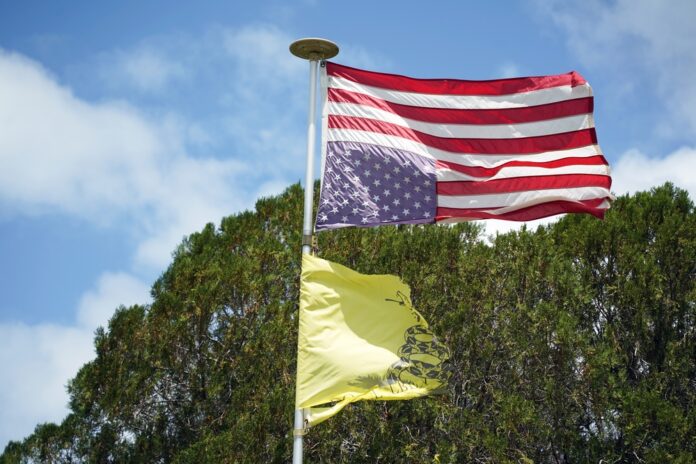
(400,150)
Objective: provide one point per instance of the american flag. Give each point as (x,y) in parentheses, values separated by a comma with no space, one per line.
(399,150)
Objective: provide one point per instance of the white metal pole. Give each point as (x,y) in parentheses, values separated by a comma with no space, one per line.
(297,439)
(314,50)
(307,228)
(309,173)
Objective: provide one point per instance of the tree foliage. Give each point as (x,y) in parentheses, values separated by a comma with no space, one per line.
(572,343)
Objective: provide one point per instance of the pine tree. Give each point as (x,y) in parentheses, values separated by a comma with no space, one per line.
(574,342)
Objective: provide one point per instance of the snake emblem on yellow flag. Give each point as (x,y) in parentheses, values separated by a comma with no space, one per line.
(360,339)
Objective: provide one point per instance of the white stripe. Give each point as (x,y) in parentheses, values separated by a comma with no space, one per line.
(448,175)
(460,131)
(515,200)
(500,211)
(465,159)
(513,100)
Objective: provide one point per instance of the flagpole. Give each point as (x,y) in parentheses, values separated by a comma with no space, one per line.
(313,50)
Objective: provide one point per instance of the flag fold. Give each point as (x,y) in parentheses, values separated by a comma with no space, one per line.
(360,339)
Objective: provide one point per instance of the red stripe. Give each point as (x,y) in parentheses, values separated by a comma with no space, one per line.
(521,184)
(468,116)
(453,86)
(564,141)
(527,214)
(478,171)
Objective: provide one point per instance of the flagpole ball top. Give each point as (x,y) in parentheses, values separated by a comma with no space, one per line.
(314,49)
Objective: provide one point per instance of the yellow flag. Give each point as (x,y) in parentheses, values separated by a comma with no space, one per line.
(360,339)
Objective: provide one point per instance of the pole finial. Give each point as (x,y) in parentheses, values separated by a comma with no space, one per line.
(314,49)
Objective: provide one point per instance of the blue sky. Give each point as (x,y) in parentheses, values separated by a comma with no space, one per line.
(125,127)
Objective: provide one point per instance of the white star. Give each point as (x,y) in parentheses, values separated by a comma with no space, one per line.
(323,217)
(346,185)
(378,166)
(344,218)
(367,154)
(395,217)
(334,210)
(344,202)
(366,203)
(426,183)
(387,193)
(385,207)
(348,169)
(339,161)
(358,162)
(367,173)
(387,160)
(406,212)
(417,188)
(325,201)
(416,173)
(427,198)
(396,202)
(417,205)
(329,169)
(407,163)
(397,170)
(364,220)
(377,183)
(356,179)
(426,214)
(355,210)
(375,197)
(407,179)
(387,176)
(397,186)
(407,195)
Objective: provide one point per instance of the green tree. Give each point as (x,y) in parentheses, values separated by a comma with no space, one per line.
(574,342)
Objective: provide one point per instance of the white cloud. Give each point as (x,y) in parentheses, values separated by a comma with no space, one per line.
(150,71)
(636,171)
(267,100)
(634,39)
(194,193)
(59,152)
(145,69)
(263,57)
(104,162)
(108,164)
(37,362)
(113,289)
